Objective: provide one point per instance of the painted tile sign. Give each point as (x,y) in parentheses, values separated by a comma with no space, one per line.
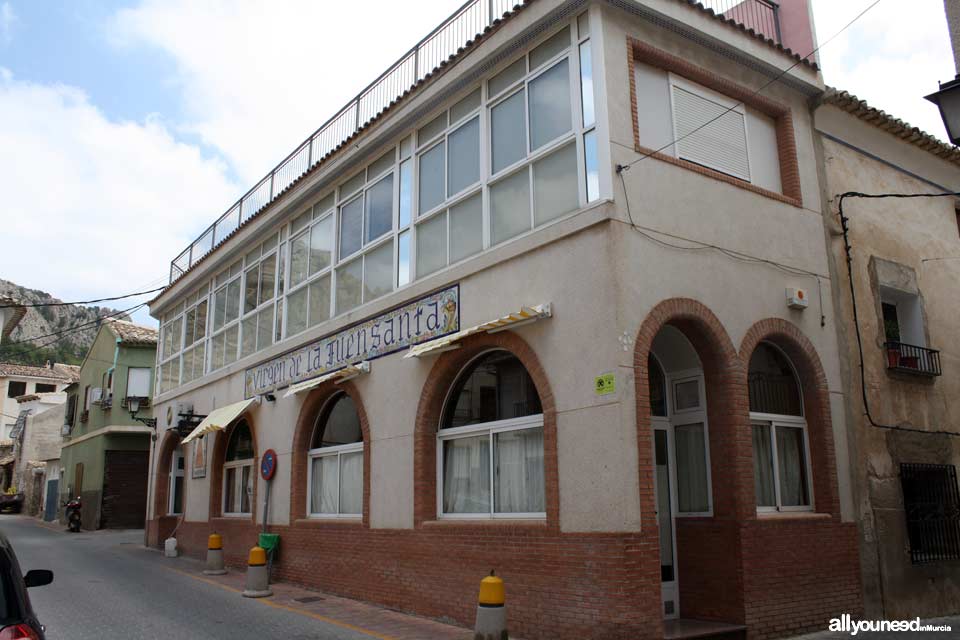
(433,316)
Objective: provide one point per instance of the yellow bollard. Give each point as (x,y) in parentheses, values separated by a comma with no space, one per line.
(215,556)
(257,579)
(491,610)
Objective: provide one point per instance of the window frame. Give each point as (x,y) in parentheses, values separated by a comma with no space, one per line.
(176,472)
(238,476)
(337,451)
(773,421)
(489,429)
(681,418)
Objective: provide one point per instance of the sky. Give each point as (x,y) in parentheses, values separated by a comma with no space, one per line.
(127,127)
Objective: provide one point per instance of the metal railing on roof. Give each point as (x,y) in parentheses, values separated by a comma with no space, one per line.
(763,16)
(463,26)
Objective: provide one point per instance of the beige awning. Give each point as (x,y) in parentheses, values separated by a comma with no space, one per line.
(219,419)
(348,372)
(446,343)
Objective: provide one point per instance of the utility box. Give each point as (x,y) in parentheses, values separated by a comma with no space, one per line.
(797,298)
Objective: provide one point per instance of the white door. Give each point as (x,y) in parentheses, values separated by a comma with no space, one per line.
(666,511)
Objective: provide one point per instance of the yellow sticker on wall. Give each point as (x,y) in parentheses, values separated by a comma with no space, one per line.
(604,384)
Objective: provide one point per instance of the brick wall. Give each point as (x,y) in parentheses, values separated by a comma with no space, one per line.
(778,575)
(558,585)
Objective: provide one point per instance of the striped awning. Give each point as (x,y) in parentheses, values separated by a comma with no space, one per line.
(219,419)
(348,372)
(446,343)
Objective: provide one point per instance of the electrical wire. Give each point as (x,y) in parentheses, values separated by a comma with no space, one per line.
(67,304)
(74,328)
(626,167)
(848,248)
(730,253)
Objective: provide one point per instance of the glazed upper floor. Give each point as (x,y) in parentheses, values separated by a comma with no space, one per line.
(521,131)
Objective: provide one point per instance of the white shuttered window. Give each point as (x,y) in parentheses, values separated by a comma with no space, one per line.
(708,131)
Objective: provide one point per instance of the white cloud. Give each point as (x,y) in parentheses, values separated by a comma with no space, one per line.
(891,57)
(7,19)
(258,77)
(94,207)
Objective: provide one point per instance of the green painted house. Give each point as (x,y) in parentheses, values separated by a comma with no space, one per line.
(105,453)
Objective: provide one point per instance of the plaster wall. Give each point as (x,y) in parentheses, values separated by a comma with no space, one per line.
(695,208)
(892,241)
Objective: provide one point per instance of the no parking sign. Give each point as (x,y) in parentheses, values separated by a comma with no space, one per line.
(268,464)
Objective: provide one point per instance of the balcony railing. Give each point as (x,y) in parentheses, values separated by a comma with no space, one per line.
(453,34)
(908,358)
(760,15)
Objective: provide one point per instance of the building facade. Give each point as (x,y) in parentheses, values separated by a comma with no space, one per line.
(903,411)
(565,311)
(37,442)
(105,452)
(20,380)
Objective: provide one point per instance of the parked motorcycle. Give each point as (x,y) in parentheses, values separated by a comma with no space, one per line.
(73,514)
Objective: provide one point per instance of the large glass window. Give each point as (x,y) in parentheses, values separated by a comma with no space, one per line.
(311,257)
(781,469)
(238,472)
(490,442)
(335,461)
(514,152)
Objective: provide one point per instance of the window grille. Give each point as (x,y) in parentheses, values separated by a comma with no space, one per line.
(931,501)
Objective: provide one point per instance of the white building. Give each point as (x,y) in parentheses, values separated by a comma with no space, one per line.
(562,309)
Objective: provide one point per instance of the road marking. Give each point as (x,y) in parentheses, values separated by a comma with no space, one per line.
(283,607)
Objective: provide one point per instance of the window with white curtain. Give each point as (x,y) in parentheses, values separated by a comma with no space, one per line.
(688,420)
(781,460)
(238,472)
(490,443)
(335,461)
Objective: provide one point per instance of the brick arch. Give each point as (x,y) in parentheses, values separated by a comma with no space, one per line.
(439,381)
(301,444)
(161,481)
(216,468)
(727,415)
(711,583)
(816,402)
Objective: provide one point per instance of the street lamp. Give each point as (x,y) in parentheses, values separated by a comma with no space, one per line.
(947,100)
(133,403)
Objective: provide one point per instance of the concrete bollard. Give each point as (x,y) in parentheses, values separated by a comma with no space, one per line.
(215,556)
(257,579)
(491,610)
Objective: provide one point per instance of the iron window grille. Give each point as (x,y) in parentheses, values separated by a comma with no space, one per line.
(931,501)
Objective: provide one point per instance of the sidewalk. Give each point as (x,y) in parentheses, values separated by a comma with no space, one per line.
(374,621)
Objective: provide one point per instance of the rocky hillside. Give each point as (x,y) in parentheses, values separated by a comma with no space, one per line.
(76,327)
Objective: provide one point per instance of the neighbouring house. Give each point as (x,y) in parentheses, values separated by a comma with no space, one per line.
(551,299)
(104,454)
(37,441)
(20,380)
(11,313)
(900,367)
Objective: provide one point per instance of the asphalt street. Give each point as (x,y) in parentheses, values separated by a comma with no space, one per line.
(107,586)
